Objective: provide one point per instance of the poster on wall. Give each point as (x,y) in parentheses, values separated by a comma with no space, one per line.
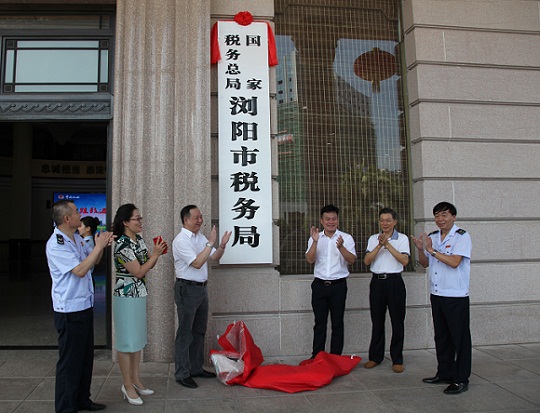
(245,176)
(89,204)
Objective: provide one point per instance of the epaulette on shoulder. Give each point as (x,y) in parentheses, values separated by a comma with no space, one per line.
(59,239)
(434,232)
(461,231)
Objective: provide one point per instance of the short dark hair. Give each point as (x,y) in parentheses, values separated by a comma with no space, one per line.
(329,208)
(123,213)
(60,209)
(444,206)
(92,223)
(388,211)
(186,212)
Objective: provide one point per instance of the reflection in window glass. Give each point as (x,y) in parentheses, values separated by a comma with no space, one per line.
(341,136)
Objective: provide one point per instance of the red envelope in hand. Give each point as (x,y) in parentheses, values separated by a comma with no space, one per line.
(159,239)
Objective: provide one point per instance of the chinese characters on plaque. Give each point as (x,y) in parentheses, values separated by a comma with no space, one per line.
(245,180)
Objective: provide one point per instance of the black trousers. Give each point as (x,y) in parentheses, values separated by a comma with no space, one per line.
(453,344)
(328,299)
(76,360)
(389,293)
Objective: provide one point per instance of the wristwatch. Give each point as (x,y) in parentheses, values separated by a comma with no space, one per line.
(209,245)
(433,253)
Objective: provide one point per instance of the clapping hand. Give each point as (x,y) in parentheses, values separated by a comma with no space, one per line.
(213,235)
(383,240)
(225,239)
(314,231)
(104,239)
(422,242)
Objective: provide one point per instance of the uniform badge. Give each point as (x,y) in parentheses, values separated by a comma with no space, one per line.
(461,231)
(59,239)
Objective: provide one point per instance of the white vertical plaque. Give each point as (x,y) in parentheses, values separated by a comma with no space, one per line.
(245,180)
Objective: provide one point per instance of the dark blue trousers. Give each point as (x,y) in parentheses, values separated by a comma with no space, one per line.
(76,360)
(453,344)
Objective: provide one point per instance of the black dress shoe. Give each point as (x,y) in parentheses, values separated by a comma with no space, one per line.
(436,380)
(188,382)
(456,388)
(93,407)
(205,375)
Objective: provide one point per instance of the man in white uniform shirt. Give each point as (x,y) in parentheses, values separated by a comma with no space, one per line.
(447,253)
(331,251)
(191,251)
(70,266)
(387,253)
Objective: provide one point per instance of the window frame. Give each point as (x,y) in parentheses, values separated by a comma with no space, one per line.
(104,43)
(18,34)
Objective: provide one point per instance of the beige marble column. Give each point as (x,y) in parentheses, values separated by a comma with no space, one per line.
(161,136)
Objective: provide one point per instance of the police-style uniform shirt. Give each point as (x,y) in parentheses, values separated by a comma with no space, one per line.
(384,262)
(445,280)
(329,263)
(69,292)
(186,246)
(89,243)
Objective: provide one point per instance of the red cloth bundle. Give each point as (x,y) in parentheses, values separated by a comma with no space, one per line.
(240,363)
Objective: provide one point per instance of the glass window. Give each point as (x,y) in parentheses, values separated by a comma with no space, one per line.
(62,66)
(342,137)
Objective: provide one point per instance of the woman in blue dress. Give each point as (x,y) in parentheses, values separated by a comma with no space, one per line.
(132,262)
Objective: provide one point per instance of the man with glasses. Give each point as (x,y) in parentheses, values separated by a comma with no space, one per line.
(70,266)
(387,253)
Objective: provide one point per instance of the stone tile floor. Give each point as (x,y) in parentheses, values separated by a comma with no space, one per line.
(505,378)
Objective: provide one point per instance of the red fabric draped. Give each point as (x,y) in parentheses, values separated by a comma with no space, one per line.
(272,51)
(241,352)
(215,54)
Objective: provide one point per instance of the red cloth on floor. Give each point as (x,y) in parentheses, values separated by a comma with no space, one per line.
(240,363)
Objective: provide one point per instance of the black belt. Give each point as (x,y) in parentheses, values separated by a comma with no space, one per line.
(331,282)
(189,282)
(385,275)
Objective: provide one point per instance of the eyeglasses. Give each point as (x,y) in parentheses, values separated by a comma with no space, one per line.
(136,219)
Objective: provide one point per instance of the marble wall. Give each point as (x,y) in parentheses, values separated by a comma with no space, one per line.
(473,73)
(473,112)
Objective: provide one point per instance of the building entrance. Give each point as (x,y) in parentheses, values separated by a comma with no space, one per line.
(41,162)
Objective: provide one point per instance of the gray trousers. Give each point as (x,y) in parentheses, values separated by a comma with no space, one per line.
(192,307)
